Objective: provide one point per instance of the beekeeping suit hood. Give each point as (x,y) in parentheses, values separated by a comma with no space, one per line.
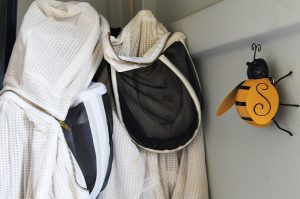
(155,85)
(55,56)
(141,75)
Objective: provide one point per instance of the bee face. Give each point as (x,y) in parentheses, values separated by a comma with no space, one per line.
(257,69)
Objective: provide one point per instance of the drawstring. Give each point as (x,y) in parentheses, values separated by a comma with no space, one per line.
(73,166)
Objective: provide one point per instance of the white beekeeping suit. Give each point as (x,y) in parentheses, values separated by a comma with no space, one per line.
(55,56)
(149,69)
(138,174)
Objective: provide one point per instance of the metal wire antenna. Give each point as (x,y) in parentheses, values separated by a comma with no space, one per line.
(255,47)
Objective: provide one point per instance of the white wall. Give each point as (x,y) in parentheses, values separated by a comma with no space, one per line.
(168,11)
(22,7)
(119,12)
(100,5)
(245,162)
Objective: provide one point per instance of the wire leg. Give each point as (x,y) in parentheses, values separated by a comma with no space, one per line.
(290,73)
(282,128)
(292,105)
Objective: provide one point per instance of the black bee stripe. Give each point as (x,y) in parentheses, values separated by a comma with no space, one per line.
(240,103)
(244,87)
(247,118)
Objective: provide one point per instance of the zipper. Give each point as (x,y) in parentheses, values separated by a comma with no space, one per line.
(64,125)
(61,123)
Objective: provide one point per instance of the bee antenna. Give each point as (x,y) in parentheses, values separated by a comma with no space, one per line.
(290,73)
(255,47)
(278,126)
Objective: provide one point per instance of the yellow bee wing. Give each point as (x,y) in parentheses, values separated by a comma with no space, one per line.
(228,102)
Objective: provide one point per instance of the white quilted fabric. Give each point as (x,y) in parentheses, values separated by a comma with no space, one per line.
(137,173)
(55,56)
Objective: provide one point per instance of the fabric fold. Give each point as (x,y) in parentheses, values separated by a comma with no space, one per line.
(56,54)
(157,118)
(89,137)
(55,58)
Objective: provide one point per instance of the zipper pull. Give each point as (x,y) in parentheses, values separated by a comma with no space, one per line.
(64,125)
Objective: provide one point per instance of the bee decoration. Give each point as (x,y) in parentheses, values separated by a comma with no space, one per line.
(256,99)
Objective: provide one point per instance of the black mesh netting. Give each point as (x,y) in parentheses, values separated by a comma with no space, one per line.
(156,107)
(80,141)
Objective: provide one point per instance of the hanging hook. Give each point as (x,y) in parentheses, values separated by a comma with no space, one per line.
(255,47)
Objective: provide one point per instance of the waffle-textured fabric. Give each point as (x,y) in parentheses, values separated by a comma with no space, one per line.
(155,84)
(140,174)
(143,172)
(55,56)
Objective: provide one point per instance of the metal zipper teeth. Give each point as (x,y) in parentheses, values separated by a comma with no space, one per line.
(61,123)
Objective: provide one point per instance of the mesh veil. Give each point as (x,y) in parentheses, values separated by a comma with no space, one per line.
(154,103)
